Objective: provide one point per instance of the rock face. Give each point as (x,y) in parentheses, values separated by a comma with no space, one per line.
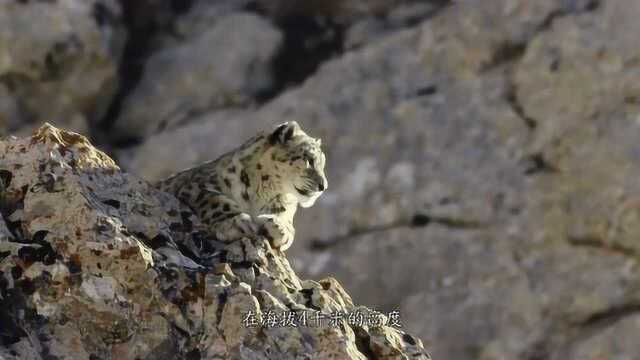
(225,66)
(95,264)
(58,61)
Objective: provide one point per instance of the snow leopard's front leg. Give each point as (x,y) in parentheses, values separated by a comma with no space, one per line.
(277,229)
(275,221)
(223,216)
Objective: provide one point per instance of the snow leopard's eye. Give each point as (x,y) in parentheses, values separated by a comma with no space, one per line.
(309,161)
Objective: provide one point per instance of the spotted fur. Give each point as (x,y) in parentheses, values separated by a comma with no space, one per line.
(256,188)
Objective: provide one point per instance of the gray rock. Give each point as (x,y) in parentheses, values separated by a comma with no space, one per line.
(58,61)
(346,12)
(582,68)
(9,113)
(226,66)
(367,29)
(200,48)
(5,234)
(190,144)
(617,341)
(203,14)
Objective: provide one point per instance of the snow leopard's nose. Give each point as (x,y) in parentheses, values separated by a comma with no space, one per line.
(323,184)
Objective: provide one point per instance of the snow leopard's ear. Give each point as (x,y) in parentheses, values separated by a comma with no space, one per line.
(284,132)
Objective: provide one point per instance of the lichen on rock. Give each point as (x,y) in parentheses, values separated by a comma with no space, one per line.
(97,264)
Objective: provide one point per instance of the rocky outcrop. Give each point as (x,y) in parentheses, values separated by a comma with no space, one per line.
(96,264)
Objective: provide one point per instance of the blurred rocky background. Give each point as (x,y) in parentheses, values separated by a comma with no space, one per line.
(483,156)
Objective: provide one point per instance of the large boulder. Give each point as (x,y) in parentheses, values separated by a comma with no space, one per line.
(212,55)
(58,61)
(96,264)
(228,65)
